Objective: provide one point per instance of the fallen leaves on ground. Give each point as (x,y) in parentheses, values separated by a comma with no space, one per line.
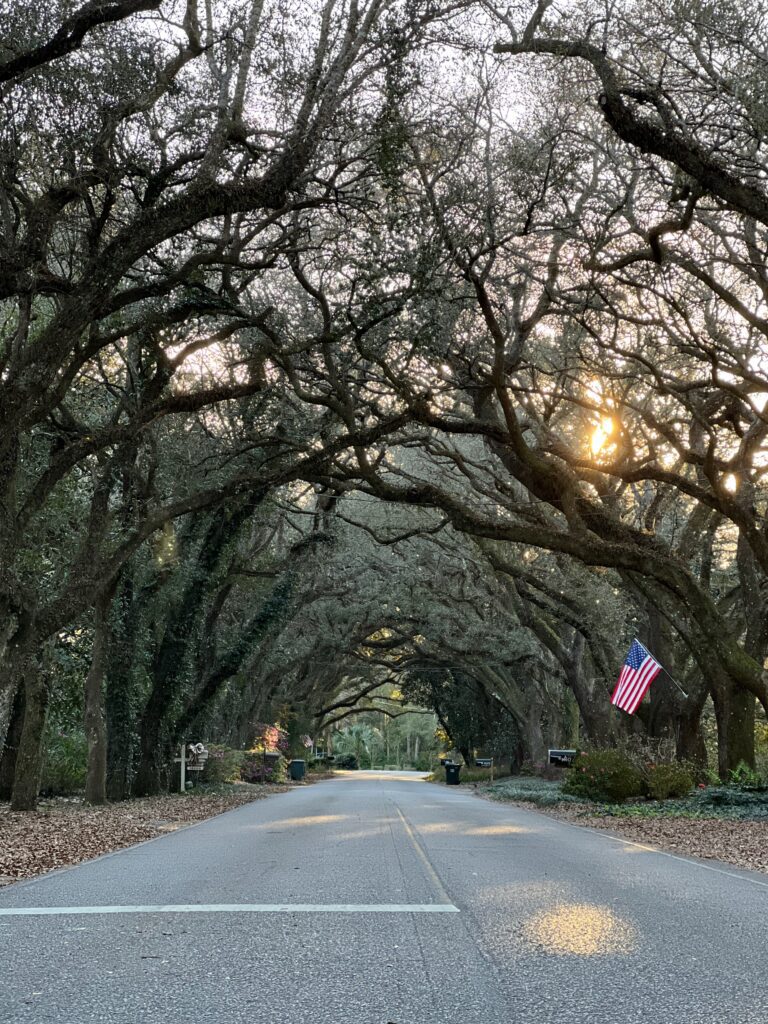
(64,831)
(741,843)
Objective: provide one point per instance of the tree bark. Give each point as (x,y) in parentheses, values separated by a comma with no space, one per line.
(735,715)
(149,780)
(95,719)
(29,756)
(124,659)
(11,745)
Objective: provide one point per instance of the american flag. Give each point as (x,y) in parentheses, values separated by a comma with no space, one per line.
(639,671)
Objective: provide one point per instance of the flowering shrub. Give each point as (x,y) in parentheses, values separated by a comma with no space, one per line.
(665,781)
(223,764)
(606,775)
(257,768)
(270,737)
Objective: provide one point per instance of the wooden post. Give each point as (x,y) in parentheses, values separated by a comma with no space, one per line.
(491,769)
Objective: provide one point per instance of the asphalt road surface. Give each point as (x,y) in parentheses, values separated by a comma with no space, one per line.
(378,898)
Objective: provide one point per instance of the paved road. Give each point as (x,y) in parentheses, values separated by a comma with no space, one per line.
(537,922)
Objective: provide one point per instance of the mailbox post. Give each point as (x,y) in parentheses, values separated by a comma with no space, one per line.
(192,757)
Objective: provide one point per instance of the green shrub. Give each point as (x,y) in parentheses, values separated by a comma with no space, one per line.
(223,765)
(668,780)
(65,764)
(258,769)
(347,762)
(746,778)
(605,775)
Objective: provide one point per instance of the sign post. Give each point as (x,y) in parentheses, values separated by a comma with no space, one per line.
(183,762)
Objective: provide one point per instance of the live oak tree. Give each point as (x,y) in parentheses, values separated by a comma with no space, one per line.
(151,165)
(518,297)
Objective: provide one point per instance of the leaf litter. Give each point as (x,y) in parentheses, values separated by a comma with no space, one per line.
(65,831)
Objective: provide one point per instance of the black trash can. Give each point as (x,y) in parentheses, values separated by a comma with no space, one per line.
(297,770)
(452,774)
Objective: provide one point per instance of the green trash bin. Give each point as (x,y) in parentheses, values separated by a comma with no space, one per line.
(452,773)
(297,769)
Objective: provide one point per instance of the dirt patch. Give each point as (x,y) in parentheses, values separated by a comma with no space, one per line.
(64,831)
(311,777)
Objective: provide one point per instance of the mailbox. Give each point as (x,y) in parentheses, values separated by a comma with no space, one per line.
(561,758)
(197,755)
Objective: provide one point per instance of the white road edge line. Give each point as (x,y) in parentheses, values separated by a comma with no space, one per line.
(693,861)
(239,908)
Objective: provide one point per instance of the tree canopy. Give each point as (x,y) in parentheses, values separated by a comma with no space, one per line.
(347,346)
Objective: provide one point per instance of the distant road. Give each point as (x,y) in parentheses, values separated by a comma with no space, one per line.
(377,898)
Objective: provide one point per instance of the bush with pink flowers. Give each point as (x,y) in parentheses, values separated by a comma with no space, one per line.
(604,775)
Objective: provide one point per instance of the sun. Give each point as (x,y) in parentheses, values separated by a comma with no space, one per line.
(601,434)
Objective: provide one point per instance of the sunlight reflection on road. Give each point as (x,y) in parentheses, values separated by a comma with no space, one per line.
(458,828)
(310,819)
(580,929)
(500,830)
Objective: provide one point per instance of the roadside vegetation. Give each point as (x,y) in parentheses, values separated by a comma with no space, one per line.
(661,805)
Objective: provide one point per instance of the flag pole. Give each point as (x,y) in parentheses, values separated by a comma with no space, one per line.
(666,673)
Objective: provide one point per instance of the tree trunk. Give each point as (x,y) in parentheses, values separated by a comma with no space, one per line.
(11,745)
(735,715)
(95,720)
(121,736)
(152,773)
(29,756)
(594,708)
(124,662)
(690,742)
(533,737)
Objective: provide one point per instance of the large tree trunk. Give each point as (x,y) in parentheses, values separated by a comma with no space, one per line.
(152,773)
(533,737)
(735,715)
(123,664)
(690,742)
(29,756)
(95,719)
(8,690)
(597,716)
(11,745)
